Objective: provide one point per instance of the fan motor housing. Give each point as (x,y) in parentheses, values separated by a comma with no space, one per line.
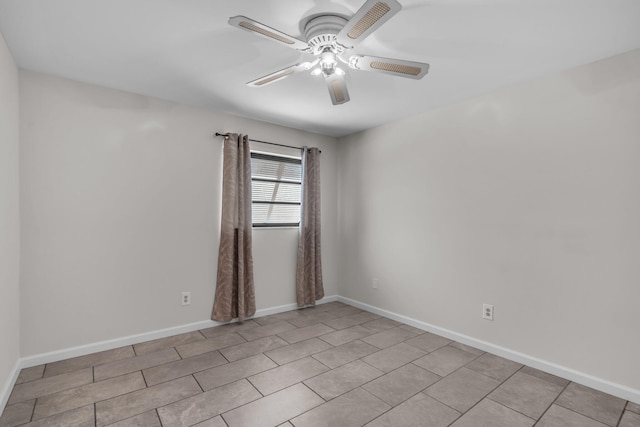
(321,31)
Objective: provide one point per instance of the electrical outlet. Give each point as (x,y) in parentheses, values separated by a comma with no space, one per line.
(374,283)
(487,311)
(186,298)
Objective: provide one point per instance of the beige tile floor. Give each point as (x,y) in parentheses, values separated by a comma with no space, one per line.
(332,365)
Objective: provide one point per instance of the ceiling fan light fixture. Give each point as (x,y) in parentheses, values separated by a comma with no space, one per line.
(328,37)
(328,62)
(328,59)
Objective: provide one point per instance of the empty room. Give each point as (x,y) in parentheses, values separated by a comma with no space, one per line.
(306,213)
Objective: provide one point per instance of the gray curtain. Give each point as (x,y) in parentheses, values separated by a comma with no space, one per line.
(309,287)
(235,296)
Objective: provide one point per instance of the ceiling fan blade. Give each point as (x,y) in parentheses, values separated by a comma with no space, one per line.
(279,75)
(262,30)
(396,67)
(367,19)
(337,88)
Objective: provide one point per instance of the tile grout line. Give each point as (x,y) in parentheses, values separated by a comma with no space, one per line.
(509,407)
(44,371)
(199,385)
(33,410)
(254,386)
(624,409)
(158,415)
(146,385)
(194,378)
(552,403)
(95,411)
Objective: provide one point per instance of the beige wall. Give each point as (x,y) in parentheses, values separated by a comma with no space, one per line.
(120,213)
(9,217)
(526,198)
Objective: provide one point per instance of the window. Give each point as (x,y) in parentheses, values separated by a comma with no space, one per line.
(276,184)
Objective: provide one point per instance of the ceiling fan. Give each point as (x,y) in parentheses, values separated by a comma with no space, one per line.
(329,38)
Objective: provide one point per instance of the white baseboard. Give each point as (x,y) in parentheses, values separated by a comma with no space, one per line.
(618,390)
(5,391)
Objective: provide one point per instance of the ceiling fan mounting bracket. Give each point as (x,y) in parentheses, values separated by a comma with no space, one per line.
(320,33)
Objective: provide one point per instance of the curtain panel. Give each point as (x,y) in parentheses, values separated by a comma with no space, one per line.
(309,287)
(235,295)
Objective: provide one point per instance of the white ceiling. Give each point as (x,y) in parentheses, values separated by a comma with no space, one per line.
(184,50)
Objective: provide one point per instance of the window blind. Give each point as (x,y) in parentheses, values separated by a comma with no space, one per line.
(276,184)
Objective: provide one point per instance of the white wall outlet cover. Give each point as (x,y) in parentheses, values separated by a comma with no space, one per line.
(487,311)
(186,298)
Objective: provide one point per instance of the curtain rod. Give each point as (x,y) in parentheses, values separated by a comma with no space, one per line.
(265,142)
